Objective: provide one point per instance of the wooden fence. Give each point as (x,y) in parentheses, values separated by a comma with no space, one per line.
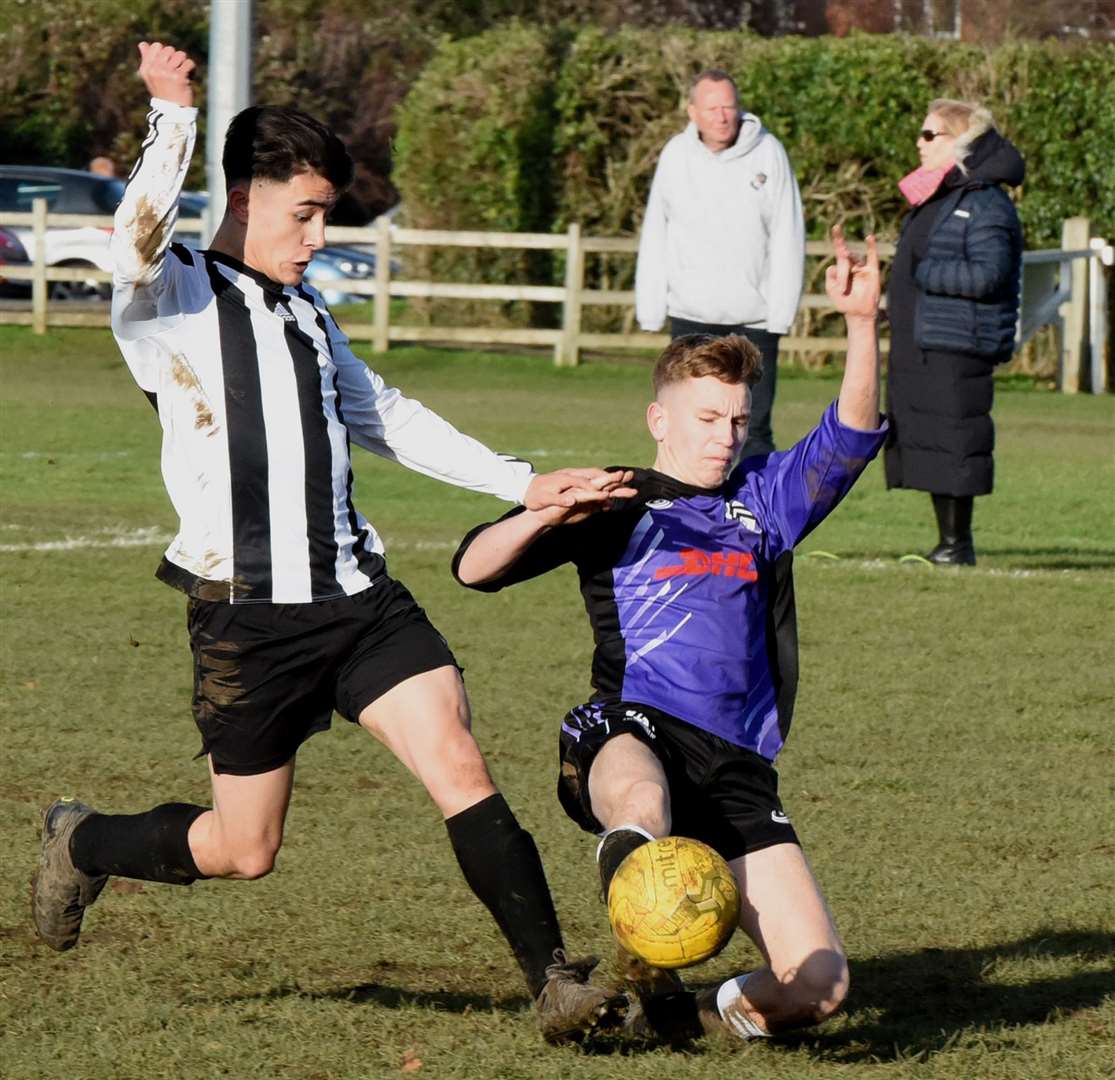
(1062,300)
(566,341)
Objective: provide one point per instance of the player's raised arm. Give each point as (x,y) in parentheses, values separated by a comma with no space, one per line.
(852,284)
(145,218)
(801,486)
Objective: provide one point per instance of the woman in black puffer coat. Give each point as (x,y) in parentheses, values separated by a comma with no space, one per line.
(953,304)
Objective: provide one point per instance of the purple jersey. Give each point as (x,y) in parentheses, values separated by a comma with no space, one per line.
(676,581)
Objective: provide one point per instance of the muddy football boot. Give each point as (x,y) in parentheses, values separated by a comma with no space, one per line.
(643,983)
(60,892)
(674,1018)
(637,977)
(570,1007)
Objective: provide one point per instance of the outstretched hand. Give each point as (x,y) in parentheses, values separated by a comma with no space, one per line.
(165,72)
(852,283)
(566,496)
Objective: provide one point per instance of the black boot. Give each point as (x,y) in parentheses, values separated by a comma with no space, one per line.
(954,523)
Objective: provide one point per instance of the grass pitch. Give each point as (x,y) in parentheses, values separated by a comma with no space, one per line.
(950,768)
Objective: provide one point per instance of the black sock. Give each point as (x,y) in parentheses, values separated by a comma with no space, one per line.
(614,848)
(502,867)
(674,1016)
(151,846)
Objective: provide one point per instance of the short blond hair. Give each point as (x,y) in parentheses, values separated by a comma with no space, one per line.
(731,359)
(966,120)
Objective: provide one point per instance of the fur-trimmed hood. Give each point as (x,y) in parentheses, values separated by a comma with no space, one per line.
(988,156)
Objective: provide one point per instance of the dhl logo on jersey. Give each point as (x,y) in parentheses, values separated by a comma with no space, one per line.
(737,564)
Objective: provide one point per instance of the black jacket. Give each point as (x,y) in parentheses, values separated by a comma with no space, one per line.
(969,282)
(952,303)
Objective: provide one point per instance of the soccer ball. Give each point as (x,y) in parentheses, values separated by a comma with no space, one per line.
(673,902)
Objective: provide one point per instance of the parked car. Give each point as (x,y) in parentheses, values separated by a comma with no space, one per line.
(69,191)
(332,266)
(12,253)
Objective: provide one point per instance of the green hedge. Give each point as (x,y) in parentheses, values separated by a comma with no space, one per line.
(846,109)
(474,150)
(68,88)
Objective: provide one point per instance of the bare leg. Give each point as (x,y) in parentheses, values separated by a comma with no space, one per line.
(241,835)
(425,722)
(630,797)
(627,786)
(783,911)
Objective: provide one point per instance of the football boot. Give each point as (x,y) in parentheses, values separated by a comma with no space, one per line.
(60,892)
(570,1007)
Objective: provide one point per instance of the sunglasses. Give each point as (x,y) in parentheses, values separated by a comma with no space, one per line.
(929,136)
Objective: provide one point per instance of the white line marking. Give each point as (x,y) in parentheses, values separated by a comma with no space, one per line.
(146,537)
(101,455)
(577,452)
(1018,574)
(153,536)
(419,545)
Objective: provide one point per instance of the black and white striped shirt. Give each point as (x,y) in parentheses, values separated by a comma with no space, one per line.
(259,395)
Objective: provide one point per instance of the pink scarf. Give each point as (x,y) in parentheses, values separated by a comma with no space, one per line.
(920,184)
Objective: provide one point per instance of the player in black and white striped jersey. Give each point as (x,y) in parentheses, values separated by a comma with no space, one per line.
(291,611)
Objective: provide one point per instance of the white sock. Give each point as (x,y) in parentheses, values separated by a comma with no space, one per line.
(730,1007)
(621,828)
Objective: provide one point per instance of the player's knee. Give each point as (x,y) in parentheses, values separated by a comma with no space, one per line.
(461,765)
(829,996)
(646,803)
(254,865)
(817,990)
(256,861)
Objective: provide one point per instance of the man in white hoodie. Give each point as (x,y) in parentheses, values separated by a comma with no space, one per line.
(723,243)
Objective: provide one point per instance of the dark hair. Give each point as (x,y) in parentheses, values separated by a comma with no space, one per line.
(270,142)
(712,75)
(731,359)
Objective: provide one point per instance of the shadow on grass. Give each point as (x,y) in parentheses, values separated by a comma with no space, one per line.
(906,1006)
(394,997)
(913,1005)
(386,996)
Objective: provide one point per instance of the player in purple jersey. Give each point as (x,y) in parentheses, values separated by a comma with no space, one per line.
(689,705)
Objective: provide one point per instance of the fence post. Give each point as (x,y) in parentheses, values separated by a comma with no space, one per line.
(1074,312)
(567,352)
(381,305)
(1097,313)
(38,282)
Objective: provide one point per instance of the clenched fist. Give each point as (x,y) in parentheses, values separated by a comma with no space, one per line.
(165,72)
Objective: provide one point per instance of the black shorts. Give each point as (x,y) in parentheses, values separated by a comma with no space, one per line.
(720,793)
(268,676)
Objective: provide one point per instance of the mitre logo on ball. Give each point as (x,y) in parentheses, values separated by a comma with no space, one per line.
(673,902)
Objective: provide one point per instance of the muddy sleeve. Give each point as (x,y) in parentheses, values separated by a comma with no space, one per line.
(146,284)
